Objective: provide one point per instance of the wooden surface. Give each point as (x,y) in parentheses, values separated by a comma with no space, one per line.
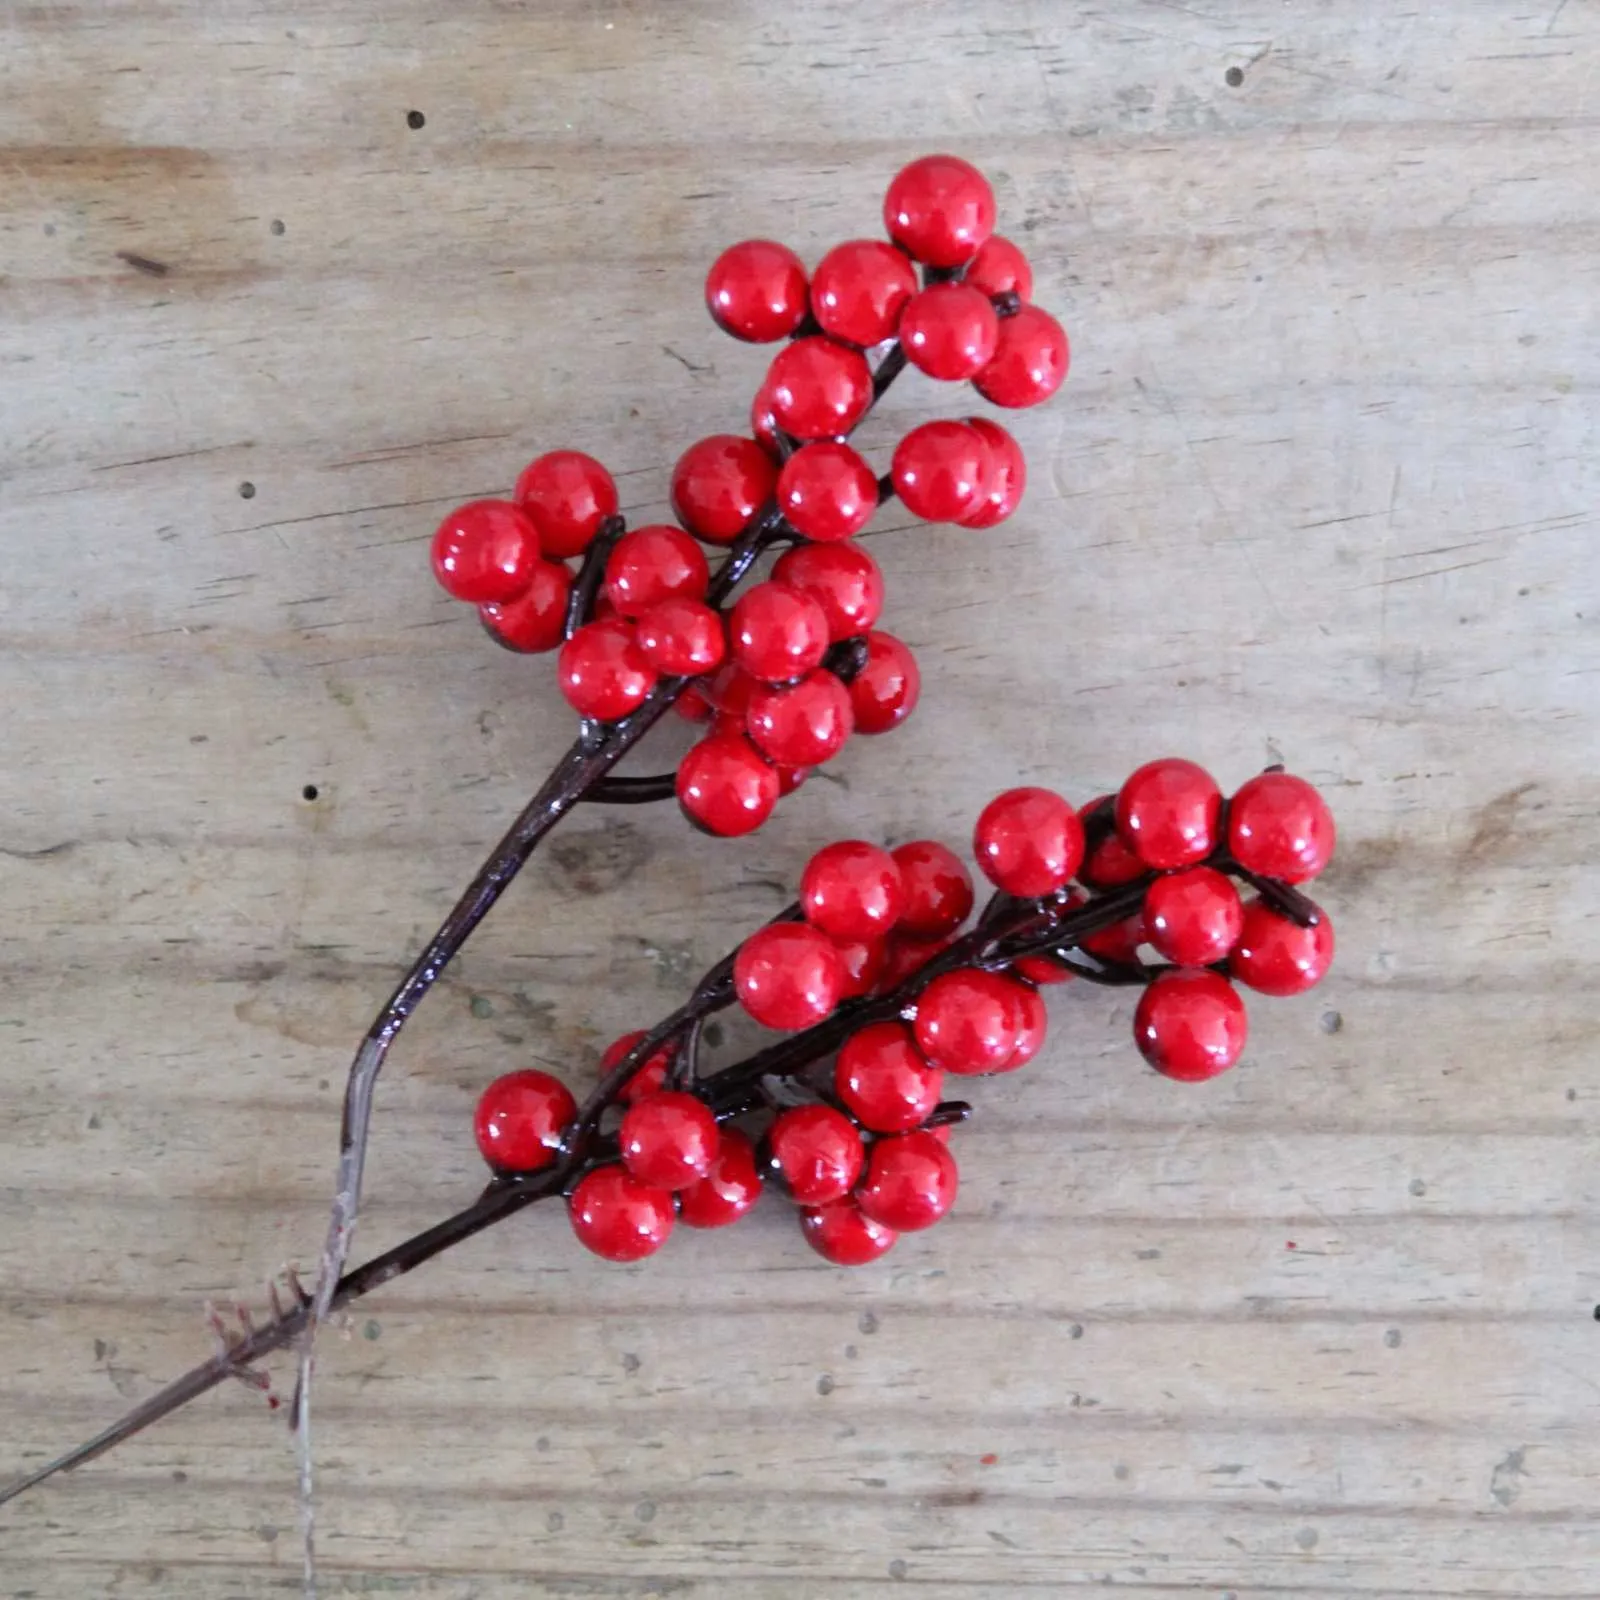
(1320,489)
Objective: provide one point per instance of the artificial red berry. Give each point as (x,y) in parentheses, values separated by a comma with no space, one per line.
(788,975)
(885,691)
(1030,360)
(757,291)
(1035,1021)
(941,470)
(1170,812)
(725,787)
(790,779)
(602,671)
(911,1182)
(819,389)
(1119,942)
(728,1190)
(1279,826)
(777,633)
(1028,842)
(968,1021)
(1110,862)
(568,495)
(729,692)
(668,1139)
(852,890)
(1276,956)
(859,290)
(842,578)
(905,954)
(887,1083)
(1190,1024)
(938,889)
(817,1153)
(801,725)
(520,1120)
(618,1217)
(693,706)
(827,491)
(719,484)
(843,1234)
(949,331)
(485,550)
(535,620)
(1193,917)
(864,961)
(682,637)
(1000,268)
(940,209)
(652,564)
(1008,476)
(763,425)
(649,1077)
(1041,970)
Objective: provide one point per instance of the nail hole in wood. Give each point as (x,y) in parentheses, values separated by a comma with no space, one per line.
(277,228)
(309,792)
(415,119)
(1233,77)
(247,490)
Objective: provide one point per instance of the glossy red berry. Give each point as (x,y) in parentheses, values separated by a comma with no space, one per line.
(790,779)
(885,1081)
(801,724)
(843,1234)
(1193,917)
(485,550)
(816,1152)
(1110,862)
(885,691)
(788,975)
(1190,1024)
(911,1182)
(1119,942)
(842,578)
(1279,826)
(682,637)
(1169,812)
(949,331)
(1008,475)
(618,1217)
(568,495)
(1000,268)
(819,389)
(777,633)
(536,620)
(763,424)
(1033,1025)
(719,484)
(728,1190)
(725,787)
(693,706)
(940,209)
(668,1139)
(756,291)
(859,290)
(602,671)
(852,890)
(827,491)
(652,1074)
(1030,360)
(864,961)
(520,1120)
(905,954)
(1276,956)
(938,889)
(652,564)
(1028,842)
(968,1021)
(1041,970)
(941,471)
(729,691)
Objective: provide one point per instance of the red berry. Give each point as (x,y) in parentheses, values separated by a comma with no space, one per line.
(864,961)
(1279,826)
(842,578)
(843,1234)
(949,331)
(720,484)
(763,424)
(790,779)
(911,1182)
(693,706)
(968,1021)
(852,890)
(1000,268)
(859,290)
(568,495)
(520,1120)
(485,550)
(536,620)
(942,471)
(885,691)
(827,491)
(817,1153)
(885,1080)
(938,889)
(1030,360)
(1277,956)
(1028,842)
(619,1218)
(650,1076)
(1170,812)
(757,291)
(1110,863)
(1190,1024)
(729,692)
(788,976)
(778,633)
(668,1139)
(1035,1020)
(1041,970)
(1119,942)
(602,671)
(819,389)
(906,954)
(653,564)
(682,637)
(728,1190)
(1008,477)
(940,209)
(802,724)
(725,787)
(1193,917)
